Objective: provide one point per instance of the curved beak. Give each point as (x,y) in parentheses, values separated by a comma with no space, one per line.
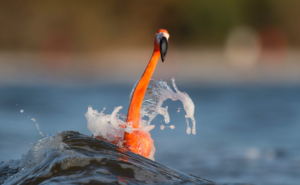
(163,46)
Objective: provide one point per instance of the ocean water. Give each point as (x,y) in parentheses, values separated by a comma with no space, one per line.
(245,133)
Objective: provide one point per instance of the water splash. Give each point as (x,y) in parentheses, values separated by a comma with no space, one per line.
(162,127)
(37,126)
(109,127)
(158,92)
(112,127)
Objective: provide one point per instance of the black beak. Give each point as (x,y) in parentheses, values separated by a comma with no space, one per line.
(163,46)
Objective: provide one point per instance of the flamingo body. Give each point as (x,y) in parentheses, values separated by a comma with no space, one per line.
(139,141)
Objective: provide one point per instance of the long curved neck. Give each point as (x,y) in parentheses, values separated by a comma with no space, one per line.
(135,106)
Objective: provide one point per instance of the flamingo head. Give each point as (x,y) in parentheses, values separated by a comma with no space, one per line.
(161,42)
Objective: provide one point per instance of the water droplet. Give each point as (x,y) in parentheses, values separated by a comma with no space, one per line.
(188,131)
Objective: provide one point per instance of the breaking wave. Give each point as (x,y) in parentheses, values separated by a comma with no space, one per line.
(72,158)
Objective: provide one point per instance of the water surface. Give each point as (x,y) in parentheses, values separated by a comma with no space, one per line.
(244,133)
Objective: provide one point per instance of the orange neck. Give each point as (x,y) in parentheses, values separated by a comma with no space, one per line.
(135,106)
(140,142)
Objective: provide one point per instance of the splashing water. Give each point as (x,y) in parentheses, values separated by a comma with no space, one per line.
(37,126)
(157,92)
(112,127)
(162,127)
(109,127)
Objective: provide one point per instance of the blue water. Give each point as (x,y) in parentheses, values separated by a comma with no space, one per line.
(245,133)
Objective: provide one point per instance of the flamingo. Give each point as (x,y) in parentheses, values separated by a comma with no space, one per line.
(140,141)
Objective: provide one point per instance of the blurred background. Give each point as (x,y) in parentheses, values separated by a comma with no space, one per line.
(238,60)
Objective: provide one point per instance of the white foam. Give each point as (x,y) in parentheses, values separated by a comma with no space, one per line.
(21,111)
(106,126)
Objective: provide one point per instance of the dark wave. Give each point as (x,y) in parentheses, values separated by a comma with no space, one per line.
(72,158)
